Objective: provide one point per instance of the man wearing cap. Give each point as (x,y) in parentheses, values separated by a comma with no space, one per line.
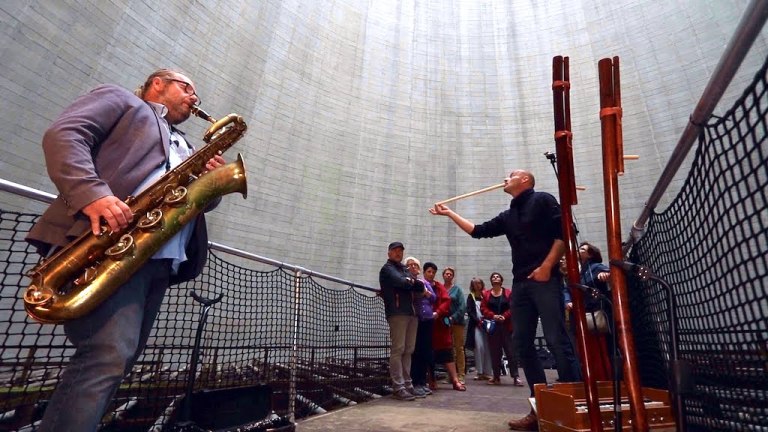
(398,289)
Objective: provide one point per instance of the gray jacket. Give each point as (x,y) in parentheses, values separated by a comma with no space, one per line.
(106,143)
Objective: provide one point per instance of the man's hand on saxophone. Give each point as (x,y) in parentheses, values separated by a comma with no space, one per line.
(111,209)
(117,214)
(214,163)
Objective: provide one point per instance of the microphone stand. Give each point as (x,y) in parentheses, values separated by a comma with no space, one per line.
(680,379)
(594,292)
(552,158)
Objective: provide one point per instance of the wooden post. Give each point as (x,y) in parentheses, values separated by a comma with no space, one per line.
(613,166)
(567,187)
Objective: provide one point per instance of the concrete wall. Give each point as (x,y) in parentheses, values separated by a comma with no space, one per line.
(363,113)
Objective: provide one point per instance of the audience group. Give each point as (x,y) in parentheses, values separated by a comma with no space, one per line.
(432,323)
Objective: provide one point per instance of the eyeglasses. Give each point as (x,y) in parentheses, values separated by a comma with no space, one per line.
(412,265)
(186,88)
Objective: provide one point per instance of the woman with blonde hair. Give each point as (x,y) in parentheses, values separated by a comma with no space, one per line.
(477,338)
(422,358)
(456,319)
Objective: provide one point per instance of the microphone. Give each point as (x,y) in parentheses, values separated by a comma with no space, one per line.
(627,266)
(583,288)
(549,155)
(588,290)
(634,269)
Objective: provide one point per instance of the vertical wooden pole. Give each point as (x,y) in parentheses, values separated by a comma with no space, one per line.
(567,188)
(610,121)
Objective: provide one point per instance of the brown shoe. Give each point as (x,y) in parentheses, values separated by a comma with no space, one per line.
(527,423)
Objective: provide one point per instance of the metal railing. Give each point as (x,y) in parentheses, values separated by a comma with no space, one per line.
(747,31)
(38,195)
(300,353)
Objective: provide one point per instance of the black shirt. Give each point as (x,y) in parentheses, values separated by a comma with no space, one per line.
(499,304)
(532,224)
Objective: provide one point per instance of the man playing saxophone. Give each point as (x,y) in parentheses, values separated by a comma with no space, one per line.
(108,145)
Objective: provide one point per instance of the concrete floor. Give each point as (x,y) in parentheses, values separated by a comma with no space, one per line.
(482,408)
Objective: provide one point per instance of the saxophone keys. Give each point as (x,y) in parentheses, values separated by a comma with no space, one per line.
(121,248)
(89,274)
(151,221)
(176,197)
(37,296)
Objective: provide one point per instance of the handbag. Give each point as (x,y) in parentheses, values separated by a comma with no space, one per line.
(597,321)
(489,326)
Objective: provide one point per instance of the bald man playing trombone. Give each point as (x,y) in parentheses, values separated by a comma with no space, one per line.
(533,228)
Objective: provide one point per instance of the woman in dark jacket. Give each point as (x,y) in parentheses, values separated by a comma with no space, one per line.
(595,274)
(495,306)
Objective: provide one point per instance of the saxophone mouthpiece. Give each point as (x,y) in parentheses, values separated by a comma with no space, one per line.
(202,114)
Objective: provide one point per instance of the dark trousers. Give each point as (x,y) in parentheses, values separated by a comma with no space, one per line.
(422,360)
(108,341)
(501,340)
(531,300)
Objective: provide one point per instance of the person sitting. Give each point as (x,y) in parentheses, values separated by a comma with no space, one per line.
(595,274)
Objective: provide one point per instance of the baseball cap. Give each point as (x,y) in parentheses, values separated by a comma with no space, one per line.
(395,245)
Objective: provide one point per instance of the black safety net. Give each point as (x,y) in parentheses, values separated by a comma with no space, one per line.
(278,342)
(711,247)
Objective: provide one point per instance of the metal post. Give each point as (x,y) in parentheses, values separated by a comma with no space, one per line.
(295,347)
(680,378)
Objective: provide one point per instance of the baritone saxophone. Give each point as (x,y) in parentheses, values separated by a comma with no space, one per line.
(73,281)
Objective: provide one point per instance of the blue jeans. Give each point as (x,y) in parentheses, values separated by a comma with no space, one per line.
(531,300)
(107,343)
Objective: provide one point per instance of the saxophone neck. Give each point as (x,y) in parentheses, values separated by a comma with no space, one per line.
(230,125)
(202,114)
